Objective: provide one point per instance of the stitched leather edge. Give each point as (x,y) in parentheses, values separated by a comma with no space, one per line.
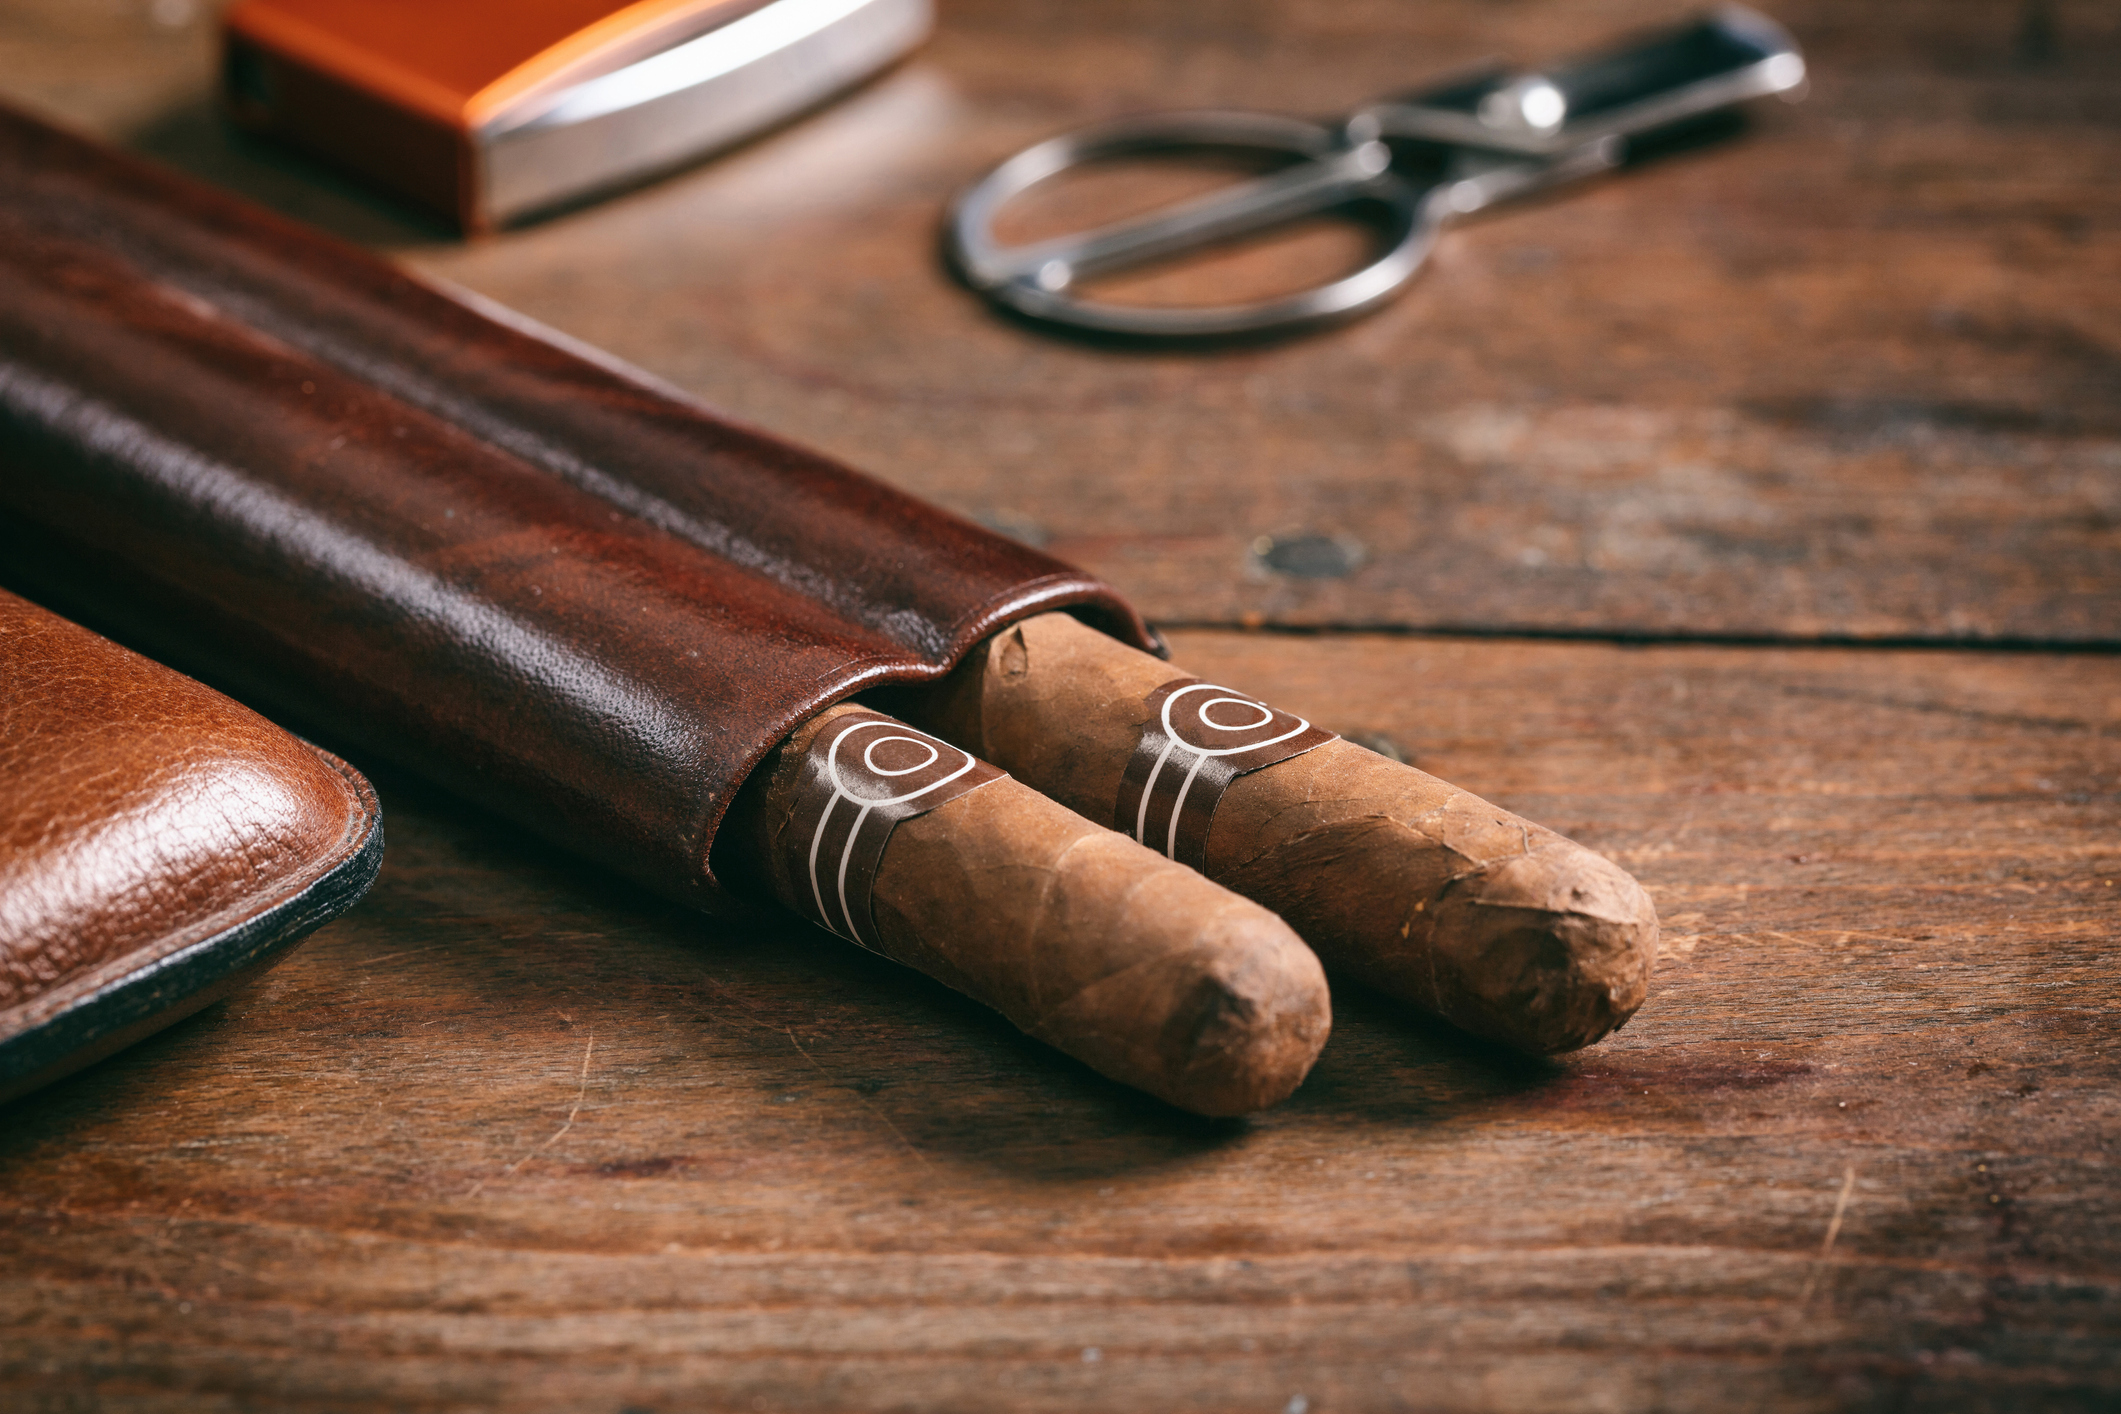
(168,988)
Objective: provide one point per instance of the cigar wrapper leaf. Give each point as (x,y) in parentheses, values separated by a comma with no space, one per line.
(1133,964)
(1396,878)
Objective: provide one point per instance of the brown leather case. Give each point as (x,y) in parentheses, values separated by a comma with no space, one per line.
(159,844)
(531,573)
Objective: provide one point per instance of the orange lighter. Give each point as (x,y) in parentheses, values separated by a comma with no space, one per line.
(491,111)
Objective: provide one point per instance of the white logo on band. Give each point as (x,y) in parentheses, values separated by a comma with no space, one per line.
(1173,741)
(841,791)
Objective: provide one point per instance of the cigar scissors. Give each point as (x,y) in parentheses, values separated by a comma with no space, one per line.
(1409,164)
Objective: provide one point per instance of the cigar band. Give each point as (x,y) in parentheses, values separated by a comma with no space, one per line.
(1198,739)
(862,775)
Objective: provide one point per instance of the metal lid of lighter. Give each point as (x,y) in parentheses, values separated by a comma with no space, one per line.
(1412,162)
(488,113)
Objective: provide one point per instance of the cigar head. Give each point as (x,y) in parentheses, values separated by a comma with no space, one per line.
(1250,1023)
(1224,1013)
(1498,925)
(1135,965)
(1548,951)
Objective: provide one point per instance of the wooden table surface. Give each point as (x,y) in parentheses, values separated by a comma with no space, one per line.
(1752,516)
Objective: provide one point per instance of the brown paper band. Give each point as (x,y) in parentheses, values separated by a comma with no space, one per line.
(1198,739)
(862,775)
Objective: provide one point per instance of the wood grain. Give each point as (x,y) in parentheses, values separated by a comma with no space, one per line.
(509,1136)
(1851,374)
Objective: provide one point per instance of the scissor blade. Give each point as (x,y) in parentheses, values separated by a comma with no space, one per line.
(1302,189)
(1659,79)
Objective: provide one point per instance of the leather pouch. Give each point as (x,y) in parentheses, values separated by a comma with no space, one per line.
(159,844)
(533,574)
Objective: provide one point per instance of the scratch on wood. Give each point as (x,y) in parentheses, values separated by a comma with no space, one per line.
(1826,1248)
(1818,1266)
(394,956)
(1950,709)
(168,1245)
(566,1125)
(867,1104)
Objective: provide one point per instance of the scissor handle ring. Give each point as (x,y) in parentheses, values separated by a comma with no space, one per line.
(1412,224)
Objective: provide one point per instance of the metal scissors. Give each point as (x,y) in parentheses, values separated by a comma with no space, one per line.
(1413,163)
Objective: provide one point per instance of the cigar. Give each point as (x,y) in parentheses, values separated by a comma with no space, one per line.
(1398,880)
(1135,965)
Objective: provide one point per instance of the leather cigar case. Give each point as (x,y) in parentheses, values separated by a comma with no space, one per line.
(159,845)
(541,578)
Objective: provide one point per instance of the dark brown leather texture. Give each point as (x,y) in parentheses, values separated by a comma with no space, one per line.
(145,822)
(564,590)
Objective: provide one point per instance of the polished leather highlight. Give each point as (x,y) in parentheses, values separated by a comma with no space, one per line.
(562,589)
(141,816)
